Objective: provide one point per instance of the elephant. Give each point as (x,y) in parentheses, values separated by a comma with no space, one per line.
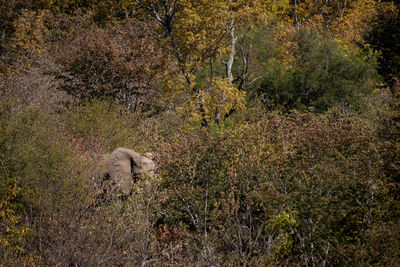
(123,167)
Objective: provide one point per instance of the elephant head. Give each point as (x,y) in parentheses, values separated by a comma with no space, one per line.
(124,167)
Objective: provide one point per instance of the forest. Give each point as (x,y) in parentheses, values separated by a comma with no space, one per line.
(274,126)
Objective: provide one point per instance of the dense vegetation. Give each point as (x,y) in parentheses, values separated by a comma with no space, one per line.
(275,126)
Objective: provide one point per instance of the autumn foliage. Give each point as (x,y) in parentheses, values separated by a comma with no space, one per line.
(274,126)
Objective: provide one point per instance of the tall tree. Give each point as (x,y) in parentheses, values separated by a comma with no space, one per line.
(201,32)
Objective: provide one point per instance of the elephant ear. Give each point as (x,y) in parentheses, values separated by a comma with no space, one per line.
(124,167)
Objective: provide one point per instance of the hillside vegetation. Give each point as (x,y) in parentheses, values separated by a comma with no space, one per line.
(275,127)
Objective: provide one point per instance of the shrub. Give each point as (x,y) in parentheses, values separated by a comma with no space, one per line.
(287,189)
(42,179)
(100,127)
(383,36)
(323,74)
(120,61)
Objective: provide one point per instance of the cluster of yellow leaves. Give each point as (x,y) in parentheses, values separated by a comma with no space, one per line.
(221,97)
(200,30)
(347,22)
(198,34)
(30,31)
(351,27)
(348,19)
(12,231)
(287,45)
(308,10)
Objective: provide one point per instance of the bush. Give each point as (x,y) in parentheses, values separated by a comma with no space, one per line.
(42,179)
(383,36)
(288,189)
(120,61)
(100,127)
(323,74)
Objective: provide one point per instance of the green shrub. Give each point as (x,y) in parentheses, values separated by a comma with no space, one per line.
(42,176)
(101,127)
(383,36)
(323,74)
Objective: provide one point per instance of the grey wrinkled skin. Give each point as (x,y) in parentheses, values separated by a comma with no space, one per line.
(124,167)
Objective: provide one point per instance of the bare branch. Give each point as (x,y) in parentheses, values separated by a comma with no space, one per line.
(245,59)
(232,54)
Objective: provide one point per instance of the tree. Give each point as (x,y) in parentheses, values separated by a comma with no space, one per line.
(327,12)
(120,61)
(382,36)
(203,32)
(322,73)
